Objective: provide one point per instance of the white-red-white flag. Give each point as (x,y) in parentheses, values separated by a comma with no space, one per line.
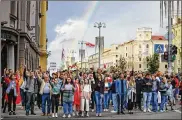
(88,44)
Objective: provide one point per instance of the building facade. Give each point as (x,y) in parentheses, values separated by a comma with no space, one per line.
(109,57)
(134,51)
(43,36)
(20,34)
(177,41)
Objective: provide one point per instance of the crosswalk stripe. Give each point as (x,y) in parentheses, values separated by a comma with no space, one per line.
(178,111)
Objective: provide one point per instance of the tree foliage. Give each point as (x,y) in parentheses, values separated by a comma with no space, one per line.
(122,64)
(153,63)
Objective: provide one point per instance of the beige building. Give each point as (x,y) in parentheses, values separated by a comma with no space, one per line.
(177,42)
(134,51)
(109,57)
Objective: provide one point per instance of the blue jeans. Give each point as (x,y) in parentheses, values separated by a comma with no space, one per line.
(115,102)
(146,99)
(106,100)
(154,101)
(98,101)
(68,107)
(22,93)
(163,101)
(46,98)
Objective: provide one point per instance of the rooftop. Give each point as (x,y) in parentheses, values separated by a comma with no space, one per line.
(156,37)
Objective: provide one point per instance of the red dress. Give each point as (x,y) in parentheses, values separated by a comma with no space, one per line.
(18,99)
(77,95)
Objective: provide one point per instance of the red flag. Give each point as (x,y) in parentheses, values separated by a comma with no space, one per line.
(88,44)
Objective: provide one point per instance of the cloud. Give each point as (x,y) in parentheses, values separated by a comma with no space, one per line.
(120,26)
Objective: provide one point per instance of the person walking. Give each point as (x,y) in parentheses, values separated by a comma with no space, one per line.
(147,92)
(114,95)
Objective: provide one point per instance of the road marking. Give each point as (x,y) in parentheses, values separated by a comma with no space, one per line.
(178,111)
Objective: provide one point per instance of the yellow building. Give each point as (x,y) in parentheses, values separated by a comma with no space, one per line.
(136,51)
(43,37)
(109,57)
(177,42)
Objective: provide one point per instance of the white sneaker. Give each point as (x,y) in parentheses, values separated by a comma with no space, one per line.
(148,110)
(82,114)
(113,111)
(69,116)
(73,113)
(56,115)
(107,110)
(97,114)
(92,110)
(100,114)
(104,110)
(64,116)
(144,110)
(87,114)
(53,115)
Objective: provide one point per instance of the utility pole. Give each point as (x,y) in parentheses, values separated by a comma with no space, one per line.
(81,51)
(169,38)
(99,26)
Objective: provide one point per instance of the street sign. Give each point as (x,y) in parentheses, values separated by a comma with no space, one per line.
(158,48)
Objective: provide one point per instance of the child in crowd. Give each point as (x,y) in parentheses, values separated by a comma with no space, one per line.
(77,94)
(85,97)
(170,95)
(68,95)
(107,86)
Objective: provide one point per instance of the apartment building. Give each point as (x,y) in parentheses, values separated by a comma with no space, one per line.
(20,34)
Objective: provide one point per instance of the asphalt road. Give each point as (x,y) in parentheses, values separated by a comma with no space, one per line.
(176,114)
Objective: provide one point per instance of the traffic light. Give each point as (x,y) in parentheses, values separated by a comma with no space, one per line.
(173,58)
(174,50)
(165,55)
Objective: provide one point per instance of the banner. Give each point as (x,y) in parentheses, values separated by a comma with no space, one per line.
(81,53)
(101,44)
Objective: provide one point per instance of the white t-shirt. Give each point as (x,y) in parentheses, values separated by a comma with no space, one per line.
(87,88)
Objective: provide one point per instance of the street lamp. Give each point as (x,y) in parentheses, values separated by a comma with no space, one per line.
(99,26)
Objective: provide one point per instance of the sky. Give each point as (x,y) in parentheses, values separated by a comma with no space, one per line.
(70,22)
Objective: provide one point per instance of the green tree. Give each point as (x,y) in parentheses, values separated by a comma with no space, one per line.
(121,64)
(153,63)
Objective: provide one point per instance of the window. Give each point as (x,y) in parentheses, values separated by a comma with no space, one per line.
(116,48)
(13,7)
(140,59)
(116,61)
(126,54)
(28,12)
(165,66)
(116,55)
(147,65)
(140,65)
(126,48)
(147,46)
(12,23)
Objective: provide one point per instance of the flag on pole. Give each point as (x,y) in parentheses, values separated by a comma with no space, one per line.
(88,44)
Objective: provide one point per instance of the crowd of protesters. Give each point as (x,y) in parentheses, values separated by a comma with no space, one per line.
(80,92)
